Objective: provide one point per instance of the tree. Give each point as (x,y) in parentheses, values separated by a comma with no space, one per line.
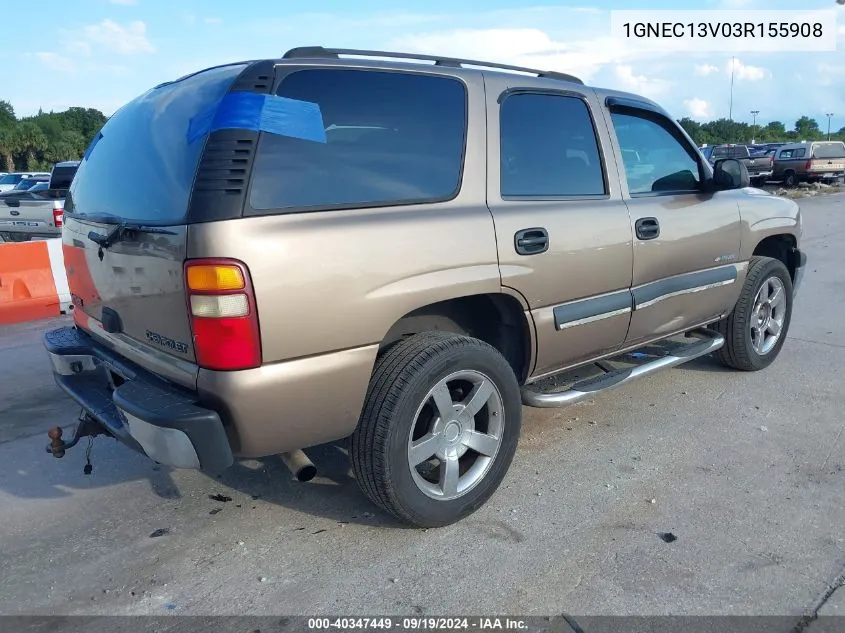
(8,148)
(30,141)
(7,115)
(807,128)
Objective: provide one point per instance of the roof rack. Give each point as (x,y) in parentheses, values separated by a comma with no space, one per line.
(453,62)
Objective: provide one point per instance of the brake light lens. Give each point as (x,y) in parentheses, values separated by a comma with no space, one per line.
(808,165)
(58,216)
(224,319)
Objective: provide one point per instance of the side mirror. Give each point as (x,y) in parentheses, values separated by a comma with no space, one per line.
(729,173)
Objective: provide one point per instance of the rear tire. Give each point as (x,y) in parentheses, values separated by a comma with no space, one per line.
(757,327)
(789,179)
(414,413)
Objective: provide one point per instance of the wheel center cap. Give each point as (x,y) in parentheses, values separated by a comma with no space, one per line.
(452,431)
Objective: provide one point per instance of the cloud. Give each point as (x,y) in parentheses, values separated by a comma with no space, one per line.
(745,72)
(57,62)
(529,47)
(640,84)
(213,20)
(698,108)
(114,38)
(705,70)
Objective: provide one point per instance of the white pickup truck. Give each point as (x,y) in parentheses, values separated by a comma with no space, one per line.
(37,212)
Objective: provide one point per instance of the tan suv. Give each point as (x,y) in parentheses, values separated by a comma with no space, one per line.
(272,255)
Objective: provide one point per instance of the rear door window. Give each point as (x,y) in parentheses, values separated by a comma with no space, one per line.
(141,165)
(391,138)
(548,147)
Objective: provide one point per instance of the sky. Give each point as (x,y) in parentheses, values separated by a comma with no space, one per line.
(103,53)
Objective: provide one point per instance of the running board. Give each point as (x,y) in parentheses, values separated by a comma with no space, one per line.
(711,341)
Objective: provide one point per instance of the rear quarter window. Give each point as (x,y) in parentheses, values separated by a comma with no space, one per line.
(392,138)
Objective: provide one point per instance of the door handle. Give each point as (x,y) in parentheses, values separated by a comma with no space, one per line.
(531,241)
(647,228)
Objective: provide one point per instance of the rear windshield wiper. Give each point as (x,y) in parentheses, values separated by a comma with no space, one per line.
(122,231)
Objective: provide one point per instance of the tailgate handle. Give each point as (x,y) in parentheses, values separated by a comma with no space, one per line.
(111,321)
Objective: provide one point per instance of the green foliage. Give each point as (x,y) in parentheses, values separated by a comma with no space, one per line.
(725,131)
(37,142)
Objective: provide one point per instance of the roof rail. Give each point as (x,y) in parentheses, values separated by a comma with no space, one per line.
(454,62)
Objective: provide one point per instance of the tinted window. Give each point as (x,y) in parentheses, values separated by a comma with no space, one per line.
(736,151)
(10,179)
(548,147)
(391,138)
(141,166)
(799,153)
(663,164)
(829,150)
(62,177)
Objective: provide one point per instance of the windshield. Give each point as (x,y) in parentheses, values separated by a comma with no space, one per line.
(141,166)
(829,150)
(10,179)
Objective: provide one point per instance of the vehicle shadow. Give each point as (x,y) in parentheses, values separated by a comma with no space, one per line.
(29,472)
(707,364)
(333,494)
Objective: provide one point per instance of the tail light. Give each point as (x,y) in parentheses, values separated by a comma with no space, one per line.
(771,160)
(808,165)
(58,216)
(224,319)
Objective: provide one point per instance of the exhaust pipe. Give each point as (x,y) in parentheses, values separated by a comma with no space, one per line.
(299,465)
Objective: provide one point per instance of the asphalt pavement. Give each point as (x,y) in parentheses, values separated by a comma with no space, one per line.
(746,470)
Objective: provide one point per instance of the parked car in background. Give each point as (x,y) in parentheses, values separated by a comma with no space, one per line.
(36,213)
(759,166)
(819,161)
(9,181)
(707,152)
(28,183)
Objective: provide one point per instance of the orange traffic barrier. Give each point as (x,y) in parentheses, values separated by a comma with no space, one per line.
(33,284)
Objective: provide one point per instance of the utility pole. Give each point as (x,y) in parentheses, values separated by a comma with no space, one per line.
(829,114)
(754,114)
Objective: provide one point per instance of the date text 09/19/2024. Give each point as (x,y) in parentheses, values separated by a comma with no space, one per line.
(417,623)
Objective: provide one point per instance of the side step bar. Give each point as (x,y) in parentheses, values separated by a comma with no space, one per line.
(590,386)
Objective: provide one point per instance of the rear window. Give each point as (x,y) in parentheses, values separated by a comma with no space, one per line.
(62,177)
(737,151)
(391,138)
(829,150)
(141,167)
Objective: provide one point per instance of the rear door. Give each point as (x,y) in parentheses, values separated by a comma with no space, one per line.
(563,231)
(686,240)
(140,170)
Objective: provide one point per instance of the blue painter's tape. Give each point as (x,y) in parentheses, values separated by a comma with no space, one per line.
(261,113)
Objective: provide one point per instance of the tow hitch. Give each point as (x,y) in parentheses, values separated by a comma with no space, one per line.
(87,427)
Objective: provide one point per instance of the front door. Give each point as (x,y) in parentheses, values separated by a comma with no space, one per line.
(686,239)
(562,228)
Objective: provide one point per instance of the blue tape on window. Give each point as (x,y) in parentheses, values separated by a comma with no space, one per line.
(261,113)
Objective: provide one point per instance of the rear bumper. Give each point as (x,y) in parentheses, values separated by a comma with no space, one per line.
(146,413)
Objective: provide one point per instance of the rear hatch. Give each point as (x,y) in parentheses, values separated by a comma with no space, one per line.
(828,158)
(125,230)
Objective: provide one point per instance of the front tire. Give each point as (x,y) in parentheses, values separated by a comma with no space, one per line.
(439,428)
(757,327)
